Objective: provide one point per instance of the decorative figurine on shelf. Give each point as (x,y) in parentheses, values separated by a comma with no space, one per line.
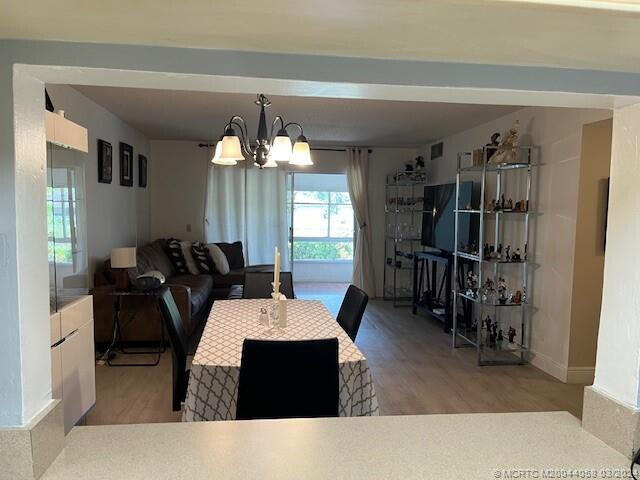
(511,334)
(502,291)
(499,252)
(516,256)
(472,284)
(517,297)
(495,205)
(488,289)
(494,334)
(509,204)
(419,162)
(493,146)
(492,205)
(500,337)
(507,254)
(506,151)
(485,251)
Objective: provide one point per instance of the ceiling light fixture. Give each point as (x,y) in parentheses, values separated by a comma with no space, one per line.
(268,150)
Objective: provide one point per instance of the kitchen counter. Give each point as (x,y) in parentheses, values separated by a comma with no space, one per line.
(474,446)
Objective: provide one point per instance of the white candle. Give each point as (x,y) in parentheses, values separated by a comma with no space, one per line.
(276,272)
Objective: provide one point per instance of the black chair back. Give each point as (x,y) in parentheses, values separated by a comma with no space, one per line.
(178,338)
(352,310)
(288,379)
(258,284)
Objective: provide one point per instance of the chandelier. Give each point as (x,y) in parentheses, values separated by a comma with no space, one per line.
(268,150)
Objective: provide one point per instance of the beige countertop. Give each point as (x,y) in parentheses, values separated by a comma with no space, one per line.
(473,446)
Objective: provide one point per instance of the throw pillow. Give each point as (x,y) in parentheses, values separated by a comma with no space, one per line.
(233,252)
(219,258)
(202,258)
(188,257)
(174,252)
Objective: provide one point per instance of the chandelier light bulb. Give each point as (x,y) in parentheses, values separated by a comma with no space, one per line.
(219,161)
(281,149)
(230,148)
(301,152)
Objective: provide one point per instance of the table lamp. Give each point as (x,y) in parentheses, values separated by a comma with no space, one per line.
(121,259)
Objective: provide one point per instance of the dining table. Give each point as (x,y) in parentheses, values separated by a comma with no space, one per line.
(212,391)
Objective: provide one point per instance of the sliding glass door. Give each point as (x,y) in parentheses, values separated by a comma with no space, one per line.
(321,227)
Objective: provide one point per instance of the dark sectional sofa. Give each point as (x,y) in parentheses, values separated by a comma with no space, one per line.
(194,294)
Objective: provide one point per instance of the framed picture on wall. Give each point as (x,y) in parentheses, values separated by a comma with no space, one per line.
(437,149)
(126,165)
(105,162)
(142,171)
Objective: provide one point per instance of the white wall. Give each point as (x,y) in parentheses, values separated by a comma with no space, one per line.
(117,216)
(178,182)
(618,357)
(558,133)
(11,392)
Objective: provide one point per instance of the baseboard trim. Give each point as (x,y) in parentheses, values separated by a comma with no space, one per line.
(583,375)
(614,423)
(28,451)
(549,365)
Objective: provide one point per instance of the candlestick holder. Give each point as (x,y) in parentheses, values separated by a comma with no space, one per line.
(278,311)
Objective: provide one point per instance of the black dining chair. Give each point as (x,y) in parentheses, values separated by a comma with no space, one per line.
(258,284)
(288,379)
(351,311)
(178,339)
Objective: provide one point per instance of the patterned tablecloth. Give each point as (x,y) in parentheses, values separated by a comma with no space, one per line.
(213,383)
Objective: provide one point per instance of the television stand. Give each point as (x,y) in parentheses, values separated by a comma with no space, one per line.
(428,298)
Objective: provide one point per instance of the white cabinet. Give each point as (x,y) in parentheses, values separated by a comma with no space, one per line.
(56,372)
(78,375)
(65,133)
(56,334)
(73,375)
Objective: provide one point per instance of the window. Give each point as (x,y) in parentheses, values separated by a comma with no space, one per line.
(323,223)
(62,208)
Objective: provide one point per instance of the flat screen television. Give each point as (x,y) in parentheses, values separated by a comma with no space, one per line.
(438,217)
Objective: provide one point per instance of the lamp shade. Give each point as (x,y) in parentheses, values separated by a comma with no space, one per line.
(220,161)
(281,149)
(230,149)
(123,257)
(301,153)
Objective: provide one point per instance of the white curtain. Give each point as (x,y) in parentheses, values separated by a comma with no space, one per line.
(357,179)
(224,218)
(266,214)
(249,205)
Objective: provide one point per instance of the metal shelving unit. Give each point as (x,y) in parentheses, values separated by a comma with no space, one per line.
(403,225)
(475,335)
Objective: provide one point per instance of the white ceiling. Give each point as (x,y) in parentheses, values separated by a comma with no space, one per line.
(188,115)
(597,34)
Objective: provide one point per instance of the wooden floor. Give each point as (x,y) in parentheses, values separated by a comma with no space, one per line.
(413,367)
